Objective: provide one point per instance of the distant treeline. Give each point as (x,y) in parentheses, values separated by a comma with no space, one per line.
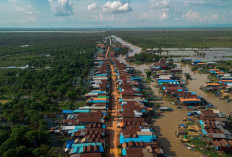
(177,38)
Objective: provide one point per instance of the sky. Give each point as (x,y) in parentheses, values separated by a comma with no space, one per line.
(114,13)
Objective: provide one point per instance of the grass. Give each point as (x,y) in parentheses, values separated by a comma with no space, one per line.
(64,105)
(4,101)
(21,59)
(182,38)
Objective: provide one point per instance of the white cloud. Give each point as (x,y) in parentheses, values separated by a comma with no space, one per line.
(159,3)
(164,16)
(116,7)
(215,17)
(191,15)
(61,7)
(160,8)
(92,6)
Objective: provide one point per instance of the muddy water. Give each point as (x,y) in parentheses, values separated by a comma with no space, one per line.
(166,125)
(211,55)
(199,80)
(135,49)
(139,67)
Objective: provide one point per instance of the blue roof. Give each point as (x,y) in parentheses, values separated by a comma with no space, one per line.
(81,111)
(136,78)
(203,130)
(98,92)
(67,111)
(86,144)
(79,127)
(201,122)
(98,101)
(160,81)
(101,75)
(124,151)
(197,61)
(140,138)
(69,143)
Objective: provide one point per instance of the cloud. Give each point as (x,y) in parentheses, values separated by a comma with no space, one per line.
(61,7)
(215,17)
(159,3)
(164,16)
(92,6)
(160,8)
(116,7)
(191,15)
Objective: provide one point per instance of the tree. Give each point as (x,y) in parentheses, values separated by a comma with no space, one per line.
(71,95)
(42,125)
(32,137)
(148,74)
(10,143)
(62,89)
(187,76)
(42,150)
(24,151)
(10,153)
(13,117)
(71,105)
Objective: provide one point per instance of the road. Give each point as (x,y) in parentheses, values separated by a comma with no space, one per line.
(112,129)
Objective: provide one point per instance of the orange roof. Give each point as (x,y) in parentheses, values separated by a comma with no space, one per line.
(220,72)
(98,45)
(226,80)
(189,99)
(212,84)
(121,124)
(150,109)
(215,69)
(100,99)
(201,63)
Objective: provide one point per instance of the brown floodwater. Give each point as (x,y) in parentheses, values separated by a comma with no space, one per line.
(200,80)
(139,67)
(166,125)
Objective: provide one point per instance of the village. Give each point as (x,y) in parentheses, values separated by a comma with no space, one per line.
(118,119)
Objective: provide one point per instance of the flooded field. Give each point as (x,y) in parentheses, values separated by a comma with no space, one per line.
(135,49)
(211,55)
(165,128)
(167,124)
(199,80)
(15,67)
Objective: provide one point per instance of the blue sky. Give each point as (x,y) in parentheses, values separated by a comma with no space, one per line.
(114,13)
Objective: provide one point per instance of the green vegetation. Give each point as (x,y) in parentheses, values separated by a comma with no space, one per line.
(225,65)
(145,58)
(187,76)
(123,51)
(182,38)
(27,95)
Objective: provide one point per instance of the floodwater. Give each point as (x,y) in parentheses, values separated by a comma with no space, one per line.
(139,67)
(14,67)
(211,55)
(200,80)
(166,125)
(135,49)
